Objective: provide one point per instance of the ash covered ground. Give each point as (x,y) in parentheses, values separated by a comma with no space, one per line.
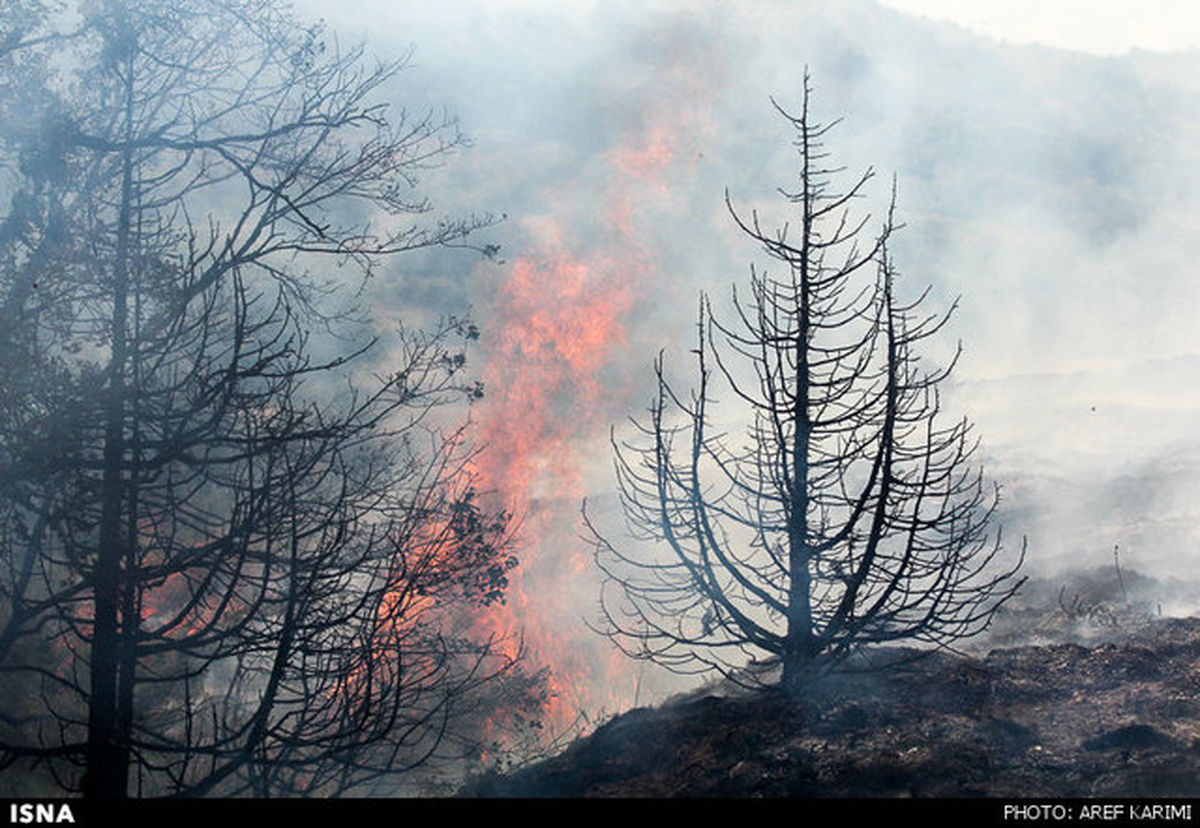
(1083,689)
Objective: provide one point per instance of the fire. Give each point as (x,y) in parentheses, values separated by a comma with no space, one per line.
(555,334)
(562,318)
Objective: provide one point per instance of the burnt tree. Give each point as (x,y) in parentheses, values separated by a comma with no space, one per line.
(232,561)
(848,511)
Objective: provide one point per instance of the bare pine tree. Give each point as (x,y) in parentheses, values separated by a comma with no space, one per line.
(848,511)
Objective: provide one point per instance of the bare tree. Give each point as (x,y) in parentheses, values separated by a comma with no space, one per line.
(231,563)
(848,513)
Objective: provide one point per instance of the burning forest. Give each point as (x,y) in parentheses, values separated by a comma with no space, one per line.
(563,405)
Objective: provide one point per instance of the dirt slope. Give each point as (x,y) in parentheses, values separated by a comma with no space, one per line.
(1115,712)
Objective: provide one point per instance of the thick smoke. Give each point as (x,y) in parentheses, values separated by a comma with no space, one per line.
(1053,192)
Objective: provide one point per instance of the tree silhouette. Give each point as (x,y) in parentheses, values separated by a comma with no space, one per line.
(232,562)
(848,512)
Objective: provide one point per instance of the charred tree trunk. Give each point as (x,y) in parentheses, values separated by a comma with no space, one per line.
(107,775)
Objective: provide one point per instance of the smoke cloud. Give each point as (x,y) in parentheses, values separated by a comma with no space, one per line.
(1054,192)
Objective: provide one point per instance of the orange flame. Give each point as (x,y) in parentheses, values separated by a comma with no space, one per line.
(556,334)
(560,323)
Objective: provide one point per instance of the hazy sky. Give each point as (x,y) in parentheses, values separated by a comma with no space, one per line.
(1101,27)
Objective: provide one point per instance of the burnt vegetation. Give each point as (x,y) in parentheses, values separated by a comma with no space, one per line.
(808,497)
(232,560)
(240,558)
(1069,706)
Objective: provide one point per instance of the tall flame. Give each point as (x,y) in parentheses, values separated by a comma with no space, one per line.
(559,328)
